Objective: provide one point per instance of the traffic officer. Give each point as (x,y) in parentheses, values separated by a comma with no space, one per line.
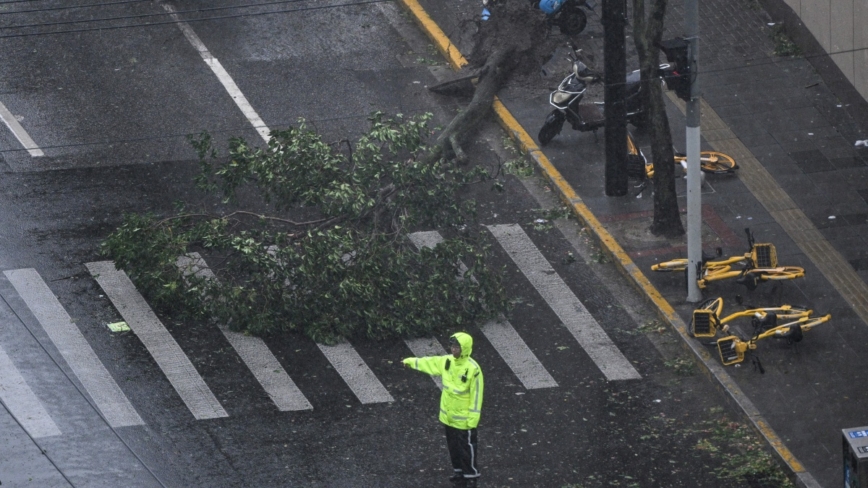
(460,403)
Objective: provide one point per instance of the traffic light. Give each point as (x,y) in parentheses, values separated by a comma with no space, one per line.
(679,76)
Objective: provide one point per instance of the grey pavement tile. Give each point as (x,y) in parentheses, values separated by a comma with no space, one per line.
(825,135)
(808,157)
(791,101)
(775,93)
(746,125)
(756,138)
(794,141)
(720,97)
(848,162)
(727,186)
(819,202)
(798,183)
(834,113)
(747,213)
(771,154)
(863,194)
(836,235)
(843,185)
(853,251)
(859,264)
(733,110)
(742,77)
(840,148)
(782,169)
(823,220)
(816,166)
(858,222)
(807,120)
(852,178)
(840,204)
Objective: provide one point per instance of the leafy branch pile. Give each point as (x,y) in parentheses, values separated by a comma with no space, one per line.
(320,244)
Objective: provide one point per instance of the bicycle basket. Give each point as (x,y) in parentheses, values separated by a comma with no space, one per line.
(704,323)
(764,256)
(729,351)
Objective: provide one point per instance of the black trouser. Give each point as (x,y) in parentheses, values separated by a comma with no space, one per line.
(462,451)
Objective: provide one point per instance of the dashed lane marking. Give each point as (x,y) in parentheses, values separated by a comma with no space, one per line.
(71,344)
(502,335)
(157,340)
(222,75)
(22,402)
(19,132)
(564,303)
(357,375)
(255,353)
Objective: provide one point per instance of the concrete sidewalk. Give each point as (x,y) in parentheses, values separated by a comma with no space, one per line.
(802,185)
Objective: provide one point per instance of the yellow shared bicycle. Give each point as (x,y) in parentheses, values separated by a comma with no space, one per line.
(710,162)
(707,321)
(732,348)
(759,264)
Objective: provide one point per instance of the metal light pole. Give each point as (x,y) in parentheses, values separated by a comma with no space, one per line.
(694,184)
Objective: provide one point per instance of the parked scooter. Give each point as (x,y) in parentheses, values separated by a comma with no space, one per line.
(567,15)
(567,99)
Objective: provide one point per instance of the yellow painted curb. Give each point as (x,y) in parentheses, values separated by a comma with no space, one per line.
(444,45)
(626,265)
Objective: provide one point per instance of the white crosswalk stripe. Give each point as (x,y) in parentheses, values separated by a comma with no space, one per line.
(502,335)
(157,340)
(357,375)
(564,302)
(265,367)
(22,402)
(352,368)
(259,359)
(71,344)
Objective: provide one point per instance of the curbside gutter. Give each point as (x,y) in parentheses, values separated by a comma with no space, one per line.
(665,311)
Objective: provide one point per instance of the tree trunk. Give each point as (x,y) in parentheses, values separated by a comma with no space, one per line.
(495,72)
(614,18)
(648,33)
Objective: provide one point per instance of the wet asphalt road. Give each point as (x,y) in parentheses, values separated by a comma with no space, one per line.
(111,108)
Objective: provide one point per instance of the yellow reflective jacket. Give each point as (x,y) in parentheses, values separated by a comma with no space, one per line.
(461,399)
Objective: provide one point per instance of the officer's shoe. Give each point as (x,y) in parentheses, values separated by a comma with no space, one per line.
(457,477)
(471,483)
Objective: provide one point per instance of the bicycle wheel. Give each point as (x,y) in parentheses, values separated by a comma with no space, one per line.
(669,266)
(715,304)
(716,162)
(782,273)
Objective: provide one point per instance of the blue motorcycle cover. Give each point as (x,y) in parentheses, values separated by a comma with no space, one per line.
(550,6)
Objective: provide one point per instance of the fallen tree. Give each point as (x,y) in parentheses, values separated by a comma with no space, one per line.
(317,238)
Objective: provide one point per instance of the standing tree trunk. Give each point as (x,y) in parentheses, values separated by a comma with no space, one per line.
(614,18)
(648,32)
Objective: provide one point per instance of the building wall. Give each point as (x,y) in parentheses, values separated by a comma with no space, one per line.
(841,28)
